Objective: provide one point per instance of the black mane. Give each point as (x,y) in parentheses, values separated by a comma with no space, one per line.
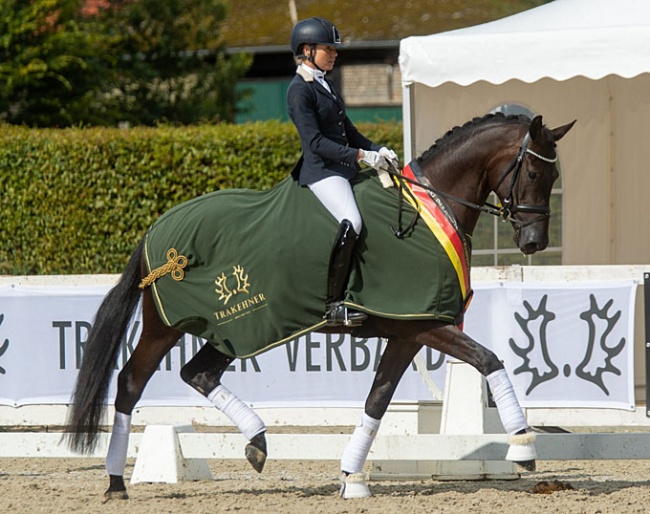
(469,128)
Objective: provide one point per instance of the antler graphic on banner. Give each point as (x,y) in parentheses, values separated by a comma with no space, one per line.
(588,316)
(4,347)
(523,352)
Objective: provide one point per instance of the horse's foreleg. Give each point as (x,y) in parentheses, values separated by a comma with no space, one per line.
(203,372)
(155,341)
(394,361)
(452,341)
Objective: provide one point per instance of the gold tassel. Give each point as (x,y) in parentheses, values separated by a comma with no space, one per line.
(174,265)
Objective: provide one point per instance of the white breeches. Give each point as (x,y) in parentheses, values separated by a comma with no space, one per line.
(336,194)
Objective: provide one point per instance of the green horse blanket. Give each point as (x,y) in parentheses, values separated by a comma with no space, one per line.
(247,270)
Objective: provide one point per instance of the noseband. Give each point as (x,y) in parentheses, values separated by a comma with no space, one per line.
(510,205)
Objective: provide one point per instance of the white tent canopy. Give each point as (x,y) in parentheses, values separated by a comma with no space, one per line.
(560,40)
(570,59)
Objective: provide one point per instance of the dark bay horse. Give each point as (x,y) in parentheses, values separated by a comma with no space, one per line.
(512,156)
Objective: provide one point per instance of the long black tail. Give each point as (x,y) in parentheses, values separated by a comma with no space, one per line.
(100,356)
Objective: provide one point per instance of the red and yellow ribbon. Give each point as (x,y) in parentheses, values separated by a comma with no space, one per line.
(443,229)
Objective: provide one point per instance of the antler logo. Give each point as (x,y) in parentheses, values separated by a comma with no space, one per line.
(588,369)
(524,352)
(4,347)
(610,352)
(243,286)
(229,286)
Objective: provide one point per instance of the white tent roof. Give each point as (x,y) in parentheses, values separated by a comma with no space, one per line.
(559,40)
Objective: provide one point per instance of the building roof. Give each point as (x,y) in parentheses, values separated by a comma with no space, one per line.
(258,24)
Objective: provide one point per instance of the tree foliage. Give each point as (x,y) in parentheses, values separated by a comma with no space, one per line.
(135,61)
(48,62)
(173,66)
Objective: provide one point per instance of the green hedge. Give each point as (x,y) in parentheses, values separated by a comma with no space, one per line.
(79,200)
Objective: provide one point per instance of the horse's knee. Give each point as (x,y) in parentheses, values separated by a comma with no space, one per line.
(203,372)
(195,379)
(188,374)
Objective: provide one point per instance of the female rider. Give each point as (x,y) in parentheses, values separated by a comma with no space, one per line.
(332,149)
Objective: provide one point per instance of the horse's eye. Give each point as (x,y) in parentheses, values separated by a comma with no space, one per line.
(533,175)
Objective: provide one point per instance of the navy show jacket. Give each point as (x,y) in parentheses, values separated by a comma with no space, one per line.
(329,140)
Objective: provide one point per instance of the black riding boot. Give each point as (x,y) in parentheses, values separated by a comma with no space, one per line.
(337,279)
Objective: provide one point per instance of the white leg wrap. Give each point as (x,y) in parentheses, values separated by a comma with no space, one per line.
(117,448)
(512,417)
(244,418)
(356,452)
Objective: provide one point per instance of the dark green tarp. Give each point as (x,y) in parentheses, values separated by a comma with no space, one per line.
(256,272)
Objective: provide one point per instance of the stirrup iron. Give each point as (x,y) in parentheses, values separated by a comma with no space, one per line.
(338,314)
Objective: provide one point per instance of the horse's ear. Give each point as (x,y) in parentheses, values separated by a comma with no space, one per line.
(535,129)
(558,133)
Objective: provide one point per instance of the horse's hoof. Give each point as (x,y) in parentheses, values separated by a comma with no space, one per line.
(256,457)
(354,486)
(115,495)
(116,489)
(256,452)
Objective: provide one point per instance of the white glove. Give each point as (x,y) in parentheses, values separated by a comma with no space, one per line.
(374,160)
(390,156)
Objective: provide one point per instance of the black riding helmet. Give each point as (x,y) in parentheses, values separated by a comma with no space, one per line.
(313,31)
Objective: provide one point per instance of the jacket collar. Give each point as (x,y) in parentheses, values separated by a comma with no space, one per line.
(309,77)
(305,74)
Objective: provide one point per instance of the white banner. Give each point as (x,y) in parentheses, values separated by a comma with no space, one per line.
(563,345)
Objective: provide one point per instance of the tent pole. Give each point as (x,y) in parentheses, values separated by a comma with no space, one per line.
(408,120)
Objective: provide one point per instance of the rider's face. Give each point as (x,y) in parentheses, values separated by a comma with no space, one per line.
(325,56)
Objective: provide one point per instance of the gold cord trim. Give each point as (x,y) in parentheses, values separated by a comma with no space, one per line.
(174,265)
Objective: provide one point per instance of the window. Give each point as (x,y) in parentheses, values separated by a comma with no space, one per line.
(493,243)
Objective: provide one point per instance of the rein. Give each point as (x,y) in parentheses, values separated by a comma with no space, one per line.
(509,207)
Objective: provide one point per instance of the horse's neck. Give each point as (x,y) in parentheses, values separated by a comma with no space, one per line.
(462,178)
(463,171)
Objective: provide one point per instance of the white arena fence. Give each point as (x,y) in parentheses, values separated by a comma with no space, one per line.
(441,422)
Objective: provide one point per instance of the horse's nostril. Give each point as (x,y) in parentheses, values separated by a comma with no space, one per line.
(530,248)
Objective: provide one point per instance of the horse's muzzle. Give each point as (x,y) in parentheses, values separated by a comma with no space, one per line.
(530,240)
(531,247)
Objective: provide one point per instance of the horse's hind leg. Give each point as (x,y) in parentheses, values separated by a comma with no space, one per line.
(155,341)
(392,365)
(203,372)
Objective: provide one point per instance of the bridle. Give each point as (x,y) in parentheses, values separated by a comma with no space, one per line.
(510,206)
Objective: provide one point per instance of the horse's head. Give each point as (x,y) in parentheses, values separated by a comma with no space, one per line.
(525,187)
